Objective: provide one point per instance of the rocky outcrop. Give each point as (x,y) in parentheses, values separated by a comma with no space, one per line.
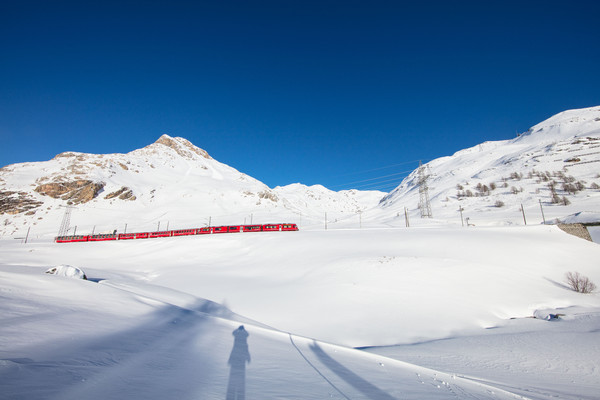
(17,202)
(124,194)
(79,191)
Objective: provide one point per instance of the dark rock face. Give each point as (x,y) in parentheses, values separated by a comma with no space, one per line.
(17,202)
(124,194)
(80,191)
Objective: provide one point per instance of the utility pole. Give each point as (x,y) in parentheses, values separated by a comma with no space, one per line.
(424,204)
(523,211)
(541,208)
(251,217)
(93,229)
(125,228)
(27,237)
(325,221)
(209,220)
(461,215)
(406,217)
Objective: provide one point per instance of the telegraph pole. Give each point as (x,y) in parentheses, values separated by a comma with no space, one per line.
(523,211)
(543,217)
(461,215)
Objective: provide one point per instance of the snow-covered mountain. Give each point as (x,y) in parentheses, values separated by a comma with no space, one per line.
(170,182)
(554,167)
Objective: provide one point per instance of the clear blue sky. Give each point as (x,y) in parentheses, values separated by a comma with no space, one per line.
(316,92)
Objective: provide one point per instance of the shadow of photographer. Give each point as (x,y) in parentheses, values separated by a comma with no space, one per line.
(236,389)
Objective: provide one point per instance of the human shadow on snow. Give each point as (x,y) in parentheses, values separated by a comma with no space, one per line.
(240,355)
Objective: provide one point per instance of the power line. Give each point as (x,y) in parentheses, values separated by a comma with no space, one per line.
(381,184)
(377,169)
(373,179)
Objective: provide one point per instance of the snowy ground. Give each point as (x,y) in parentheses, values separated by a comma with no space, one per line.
(444,312)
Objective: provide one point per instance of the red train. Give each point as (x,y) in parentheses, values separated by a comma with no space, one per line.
(180,232)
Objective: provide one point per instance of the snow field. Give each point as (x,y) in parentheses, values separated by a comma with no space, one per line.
(128,344)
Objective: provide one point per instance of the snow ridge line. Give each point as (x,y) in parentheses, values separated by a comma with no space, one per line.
(315,368)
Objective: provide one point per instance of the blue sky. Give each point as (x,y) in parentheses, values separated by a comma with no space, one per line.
(340,93)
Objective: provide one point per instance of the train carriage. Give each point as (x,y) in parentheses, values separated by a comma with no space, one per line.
(102,237)
(289,227)
(184,232)
(161,234)
(252,228)
(71,238)
(271,227)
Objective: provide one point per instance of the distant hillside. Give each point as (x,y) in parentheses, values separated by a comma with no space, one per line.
(555,163)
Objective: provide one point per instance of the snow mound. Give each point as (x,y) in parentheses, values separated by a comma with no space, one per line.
(68,271)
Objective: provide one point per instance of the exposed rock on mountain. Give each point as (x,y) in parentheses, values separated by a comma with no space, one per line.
(17,202)
(80,191)
(182,146)
(124,194)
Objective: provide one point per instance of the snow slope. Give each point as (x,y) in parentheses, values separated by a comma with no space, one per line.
(564,149)
(150,349)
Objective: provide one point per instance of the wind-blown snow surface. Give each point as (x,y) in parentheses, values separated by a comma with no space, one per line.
(157,316)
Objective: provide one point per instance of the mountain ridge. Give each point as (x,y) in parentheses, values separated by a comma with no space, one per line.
(552,170)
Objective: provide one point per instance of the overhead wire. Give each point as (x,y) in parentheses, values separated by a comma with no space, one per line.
(373,179)
(378,169)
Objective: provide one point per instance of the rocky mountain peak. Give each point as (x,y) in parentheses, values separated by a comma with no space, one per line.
(182,146)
